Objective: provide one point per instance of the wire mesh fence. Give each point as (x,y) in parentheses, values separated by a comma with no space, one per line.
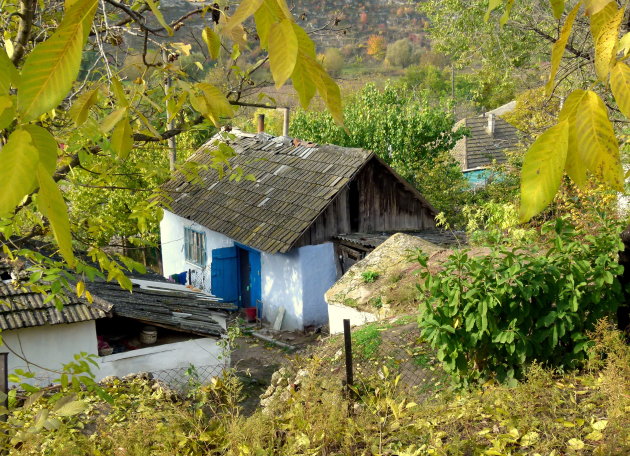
(389,347)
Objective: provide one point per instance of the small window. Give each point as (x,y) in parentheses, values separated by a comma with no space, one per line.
(195,247)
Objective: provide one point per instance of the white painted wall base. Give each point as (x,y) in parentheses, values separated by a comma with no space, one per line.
(47,347)
(337,314)
(167,362)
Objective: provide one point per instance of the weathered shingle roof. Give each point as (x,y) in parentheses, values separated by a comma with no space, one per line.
(481,148)
(164,304)
(295,183)
(20,308)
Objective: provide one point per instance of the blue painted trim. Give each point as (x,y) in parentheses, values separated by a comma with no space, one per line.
(255,277)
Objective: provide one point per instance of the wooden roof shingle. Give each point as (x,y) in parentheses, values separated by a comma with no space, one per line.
(295,182)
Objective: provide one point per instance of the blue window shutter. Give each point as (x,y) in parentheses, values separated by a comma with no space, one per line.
(224,274)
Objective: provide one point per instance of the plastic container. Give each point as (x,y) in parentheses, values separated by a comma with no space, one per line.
(148,335)
(250,314)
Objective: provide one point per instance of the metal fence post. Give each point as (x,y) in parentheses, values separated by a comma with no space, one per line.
(347,337)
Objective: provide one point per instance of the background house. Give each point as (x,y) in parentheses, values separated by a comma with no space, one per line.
(40,339)
(490,137)
(269,243)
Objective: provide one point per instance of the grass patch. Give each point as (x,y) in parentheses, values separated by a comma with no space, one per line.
(367,341)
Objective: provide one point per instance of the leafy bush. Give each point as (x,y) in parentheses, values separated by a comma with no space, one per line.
(333,61)
(399,53)
(491,316)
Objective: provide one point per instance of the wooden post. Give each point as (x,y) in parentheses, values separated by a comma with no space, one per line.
(261,123)
(347,337)
(4,382)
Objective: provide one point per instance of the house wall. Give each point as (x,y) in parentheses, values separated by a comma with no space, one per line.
(282,287)
(48,346)
(174,358)
(296,280)
(173,257)
(364,207)
(319,273)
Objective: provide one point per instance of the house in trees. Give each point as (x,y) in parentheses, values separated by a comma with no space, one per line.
(489,138)
(271,242)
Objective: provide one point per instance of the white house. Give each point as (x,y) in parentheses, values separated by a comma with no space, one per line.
(268,242)
(40,339)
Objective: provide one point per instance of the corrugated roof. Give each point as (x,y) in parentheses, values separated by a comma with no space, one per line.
(21,308)
(295,182)
(481,148)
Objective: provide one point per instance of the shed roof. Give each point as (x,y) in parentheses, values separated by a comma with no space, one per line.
(165,304)
(295,182)
(22,308)
(481,148)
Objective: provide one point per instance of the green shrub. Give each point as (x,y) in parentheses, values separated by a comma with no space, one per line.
(399,53)
(491,316)
(333,61)
(370,276)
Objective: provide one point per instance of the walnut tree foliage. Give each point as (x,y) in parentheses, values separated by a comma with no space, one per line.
(90,93)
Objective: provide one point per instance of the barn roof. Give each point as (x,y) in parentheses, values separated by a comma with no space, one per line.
(295,182)
(22,308)
(481,148)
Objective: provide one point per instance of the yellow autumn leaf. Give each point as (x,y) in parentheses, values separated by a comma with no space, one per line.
(283,51)
(620,86)
(600,425)
(52,206)
(80,288)
(492,5)
(19,158)
(245,9)
(601,18)
(52,67)
(7,111)
(46,145)
(595,6)
(606,45)
(542,170)
(575,167)
(81,107)
(576,444)
(596,141)
(559,46)
(213,42)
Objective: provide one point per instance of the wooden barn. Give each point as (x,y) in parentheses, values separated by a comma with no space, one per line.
(270,242)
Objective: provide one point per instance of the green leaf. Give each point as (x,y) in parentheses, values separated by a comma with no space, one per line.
(326,87)
(597,143)
(245,9)
(620,86)
(506,14)
(558,8)
(122,139)
(159,16)
(46,145)
(113,119)
(7,111)
(52,206)
(606,45)
(81,107)
(51,68)
(8,74)
(267,15)
(283,51)
(542,170)
(71,408)
(213,42)
(559,46)
(19,158)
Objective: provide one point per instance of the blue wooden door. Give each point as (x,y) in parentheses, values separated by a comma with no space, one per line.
(224,274)
(255,281)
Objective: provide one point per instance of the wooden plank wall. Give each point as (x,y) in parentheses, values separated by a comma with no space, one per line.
(383,203)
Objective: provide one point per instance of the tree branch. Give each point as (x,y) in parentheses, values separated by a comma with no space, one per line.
(27,15)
